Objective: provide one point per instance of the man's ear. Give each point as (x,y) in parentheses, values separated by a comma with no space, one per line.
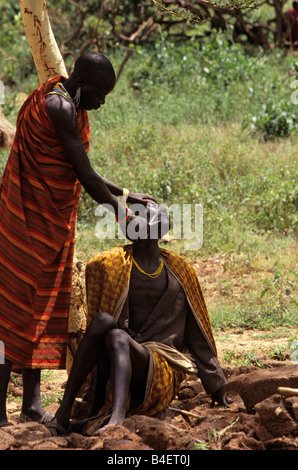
(80,82)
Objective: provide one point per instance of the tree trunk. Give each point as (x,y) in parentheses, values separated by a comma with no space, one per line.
(7,131)
(49,63)
(46,54)
(279,36)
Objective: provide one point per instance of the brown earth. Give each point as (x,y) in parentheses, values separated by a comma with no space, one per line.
(259,418)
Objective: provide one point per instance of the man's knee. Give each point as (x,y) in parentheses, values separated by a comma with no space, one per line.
(101,324)
(116,339)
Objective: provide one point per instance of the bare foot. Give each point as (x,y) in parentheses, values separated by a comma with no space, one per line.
(111,423)
(42,418)
(100,430)
(55,428)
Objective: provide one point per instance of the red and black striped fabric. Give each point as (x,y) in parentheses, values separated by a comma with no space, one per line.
(39,196)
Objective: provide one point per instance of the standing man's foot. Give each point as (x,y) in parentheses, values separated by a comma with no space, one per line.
(42,417)
(55,428)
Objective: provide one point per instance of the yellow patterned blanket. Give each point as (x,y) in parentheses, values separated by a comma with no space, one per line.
(107,285)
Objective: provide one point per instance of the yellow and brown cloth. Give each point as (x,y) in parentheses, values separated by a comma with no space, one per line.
(107,285)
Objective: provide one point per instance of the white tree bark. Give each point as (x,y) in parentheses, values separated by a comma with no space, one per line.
(46,54)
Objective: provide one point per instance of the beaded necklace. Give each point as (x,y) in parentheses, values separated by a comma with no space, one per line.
(59,89)
(153,275)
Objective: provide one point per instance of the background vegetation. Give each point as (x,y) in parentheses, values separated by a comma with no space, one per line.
(206,121)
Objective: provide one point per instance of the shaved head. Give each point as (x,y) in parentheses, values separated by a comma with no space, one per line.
(94,64)
(92,79)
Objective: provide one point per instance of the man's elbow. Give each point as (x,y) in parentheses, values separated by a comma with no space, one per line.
(93,185)
(89,180)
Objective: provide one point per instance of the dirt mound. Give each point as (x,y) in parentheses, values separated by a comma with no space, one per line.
(260,418)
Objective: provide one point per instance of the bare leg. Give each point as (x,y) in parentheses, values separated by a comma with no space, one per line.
(5,370)
(129,367)
(86,358)
(32,406)
(102,376)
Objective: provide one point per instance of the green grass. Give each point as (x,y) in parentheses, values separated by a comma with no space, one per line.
(211,124)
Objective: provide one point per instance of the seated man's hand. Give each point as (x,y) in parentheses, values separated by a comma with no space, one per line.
(220,397)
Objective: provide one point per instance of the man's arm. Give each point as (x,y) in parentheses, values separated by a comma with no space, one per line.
(209,370)
(64,118)
(133,198)
(100,189)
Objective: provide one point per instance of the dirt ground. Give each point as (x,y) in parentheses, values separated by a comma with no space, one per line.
(189,423)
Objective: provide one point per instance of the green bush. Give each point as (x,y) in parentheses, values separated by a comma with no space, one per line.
(16,63)
(213,80)
(277,208)
(274,120)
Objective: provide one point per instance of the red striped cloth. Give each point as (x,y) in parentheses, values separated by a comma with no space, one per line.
(39,196)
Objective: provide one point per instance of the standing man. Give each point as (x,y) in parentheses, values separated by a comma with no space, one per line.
(39,197)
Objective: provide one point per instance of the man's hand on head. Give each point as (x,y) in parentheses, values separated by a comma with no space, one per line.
(140,198)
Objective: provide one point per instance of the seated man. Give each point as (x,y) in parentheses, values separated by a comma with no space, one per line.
(148,327)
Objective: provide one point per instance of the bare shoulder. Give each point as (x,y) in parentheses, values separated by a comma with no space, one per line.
(61,112)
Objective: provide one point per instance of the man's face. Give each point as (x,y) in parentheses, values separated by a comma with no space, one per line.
(151,222)
(158,220)
(94,92)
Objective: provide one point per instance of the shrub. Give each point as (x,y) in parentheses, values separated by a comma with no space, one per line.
(274,120)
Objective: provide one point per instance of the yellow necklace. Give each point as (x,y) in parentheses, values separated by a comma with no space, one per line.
(153,275)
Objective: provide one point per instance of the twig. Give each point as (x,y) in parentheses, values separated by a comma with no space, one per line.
(181,430)
(77,31)
(224,430)
(288,392)
(129,53)
(187,413)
